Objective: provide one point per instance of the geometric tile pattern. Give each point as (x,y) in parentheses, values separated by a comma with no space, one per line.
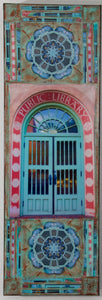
(49,45)
(53,248)
(53,52)
(88,48)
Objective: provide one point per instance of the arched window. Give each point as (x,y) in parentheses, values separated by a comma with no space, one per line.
(52,162)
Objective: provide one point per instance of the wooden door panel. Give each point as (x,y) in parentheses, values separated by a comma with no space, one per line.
(38,168)
(68,167)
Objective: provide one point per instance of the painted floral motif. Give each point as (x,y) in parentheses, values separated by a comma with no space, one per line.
(53,52)
(54,248)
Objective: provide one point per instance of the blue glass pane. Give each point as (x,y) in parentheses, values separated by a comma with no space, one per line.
(59,113)
(73,129)
(52,112)
(71,122)
(53,121)
(38,117)
(44,113)
(66,117)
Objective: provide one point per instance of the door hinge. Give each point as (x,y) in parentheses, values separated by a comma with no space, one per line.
(23,173)
(24,145)
(81,173)
(80,145)
(81,202)
(22,203)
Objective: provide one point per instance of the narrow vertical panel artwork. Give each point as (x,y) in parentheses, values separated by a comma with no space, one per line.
(51,74)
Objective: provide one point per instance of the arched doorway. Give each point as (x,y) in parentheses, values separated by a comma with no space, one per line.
(73,106)
(52,162)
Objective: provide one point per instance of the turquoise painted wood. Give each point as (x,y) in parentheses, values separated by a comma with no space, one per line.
(95,49)
(68,169)
(7,41)
(38,176)
(53,175)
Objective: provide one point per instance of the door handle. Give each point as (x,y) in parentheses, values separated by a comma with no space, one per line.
(50,179)
(55,177)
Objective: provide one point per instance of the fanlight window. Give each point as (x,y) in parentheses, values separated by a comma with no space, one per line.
(52,121)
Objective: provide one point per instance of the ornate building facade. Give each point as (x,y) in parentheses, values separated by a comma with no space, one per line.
(51,149)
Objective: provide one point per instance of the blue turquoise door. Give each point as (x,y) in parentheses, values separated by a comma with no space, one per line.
(37,176)
(53,175)
(69,176)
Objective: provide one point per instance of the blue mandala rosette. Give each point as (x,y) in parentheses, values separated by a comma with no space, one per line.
(52,52)
(54,248)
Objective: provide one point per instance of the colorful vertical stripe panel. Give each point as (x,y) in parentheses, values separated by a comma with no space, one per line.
(13,248)
(95,250)
(8,251)
(18,49)
(95,26)
(18,249)
(13,52)
(84,52)
(85,249)
(7,42)
(90,250)
(90,53)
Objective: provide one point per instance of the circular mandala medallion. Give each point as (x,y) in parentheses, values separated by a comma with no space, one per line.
(54,248)
(53,52)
